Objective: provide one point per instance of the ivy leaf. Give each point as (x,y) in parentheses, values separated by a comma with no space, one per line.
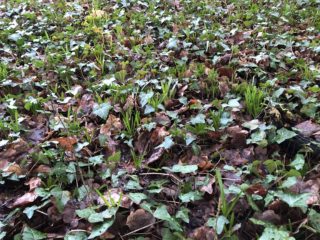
(15,37)
(61,197)
(314,219)
(284,134)
(298,161)
(183,214)
(137,197)
(275,234)
(218,223)
(145,97)
(95,217)
(100,229)
(190,138)
(75,236)
(32,234)
(190,196)
(182,168)
(289,182)
(173,43)
(200,118)
(85,213)
(167,143)
(162,214)
(96,159)
(294,200)
(102,110)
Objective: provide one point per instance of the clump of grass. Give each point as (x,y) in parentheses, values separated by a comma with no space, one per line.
(3,71)
(254,99)
(216,118)
(131,120)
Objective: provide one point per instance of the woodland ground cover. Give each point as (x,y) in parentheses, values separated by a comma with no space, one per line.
(153,119)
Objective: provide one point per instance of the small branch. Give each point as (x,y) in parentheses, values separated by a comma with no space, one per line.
(163,174)
(139,229)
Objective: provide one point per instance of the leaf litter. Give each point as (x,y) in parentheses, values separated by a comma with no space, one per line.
(159,119)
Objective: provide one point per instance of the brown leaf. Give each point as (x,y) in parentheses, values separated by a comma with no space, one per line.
(226,71)
(36,135)
(209,187)
(69,213)
(25,199)
(238,136)
(142,143)
(130,103)
(3,164)
(307,128)
(42,169)
(139,219)
(66,142)
(13,168)
(158,135)
(223,88)
(14,150)
(224,60)
(112,126)
(268,216)
(86,104)
(205,164)
(148,39)
(33,183)
(203,233)
(162,119)
(156,155)
(54,214)
(234,157)
(317,136)
(257,189)
(111,146)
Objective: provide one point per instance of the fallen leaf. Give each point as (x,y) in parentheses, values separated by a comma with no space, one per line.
(33,183)
(13,168)
(234,157)
(238,136)
(156,155)
(203,233)
(257,189)
(113,125)
(14,150)
(69,213)
(226,72)
(307,128)
(25,199)
(268,216)
(139,219)
(209,187)
(86,104)
(66,142)
(42,169)
(148,39)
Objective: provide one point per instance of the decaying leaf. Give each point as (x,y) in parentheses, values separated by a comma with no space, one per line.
(66,143)
(24,200)
(139,219)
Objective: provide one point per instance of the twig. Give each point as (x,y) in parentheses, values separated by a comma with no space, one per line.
(139,229)
(163,174)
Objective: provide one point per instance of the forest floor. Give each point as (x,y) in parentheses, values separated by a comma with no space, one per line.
(159,119)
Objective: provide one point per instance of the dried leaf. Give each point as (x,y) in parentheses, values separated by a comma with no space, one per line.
(33,183)
(139,219)
(66,142)
(25,199)
(307,128)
